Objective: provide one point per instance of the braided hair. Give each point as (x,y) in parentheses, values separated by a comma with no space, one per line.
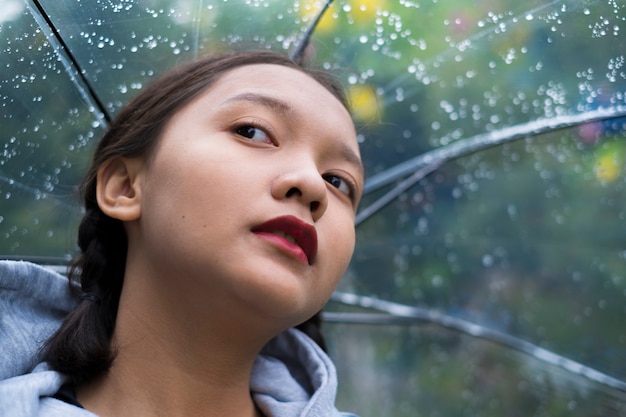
(81,348)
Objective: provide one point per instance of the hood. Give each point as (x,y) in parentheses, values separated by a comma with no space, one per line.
(291,377)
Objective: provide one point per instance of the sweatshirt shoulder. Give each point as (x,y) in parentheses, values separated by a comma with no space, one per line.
(13,273)
(32,395)
(30,289)
(33,302)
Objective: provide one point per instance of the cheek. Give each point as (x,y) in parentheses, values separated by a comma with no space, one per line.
(187,179)
(340,244)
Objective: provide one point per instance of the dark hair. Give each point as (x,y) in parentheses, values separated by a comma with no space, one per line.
(81,348)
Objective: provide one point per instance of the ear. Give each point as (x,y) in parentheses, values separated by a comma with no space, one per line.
(118,188)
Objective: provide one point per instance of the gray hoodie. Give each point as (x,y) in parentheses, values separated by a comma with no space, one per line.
(291,377)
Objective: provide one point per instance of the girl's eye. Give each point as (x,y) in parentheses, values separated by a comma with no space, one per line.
(341,184)
(253,133)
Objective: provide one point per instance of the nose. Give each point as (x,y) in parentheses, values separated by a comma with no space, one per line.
(305,185)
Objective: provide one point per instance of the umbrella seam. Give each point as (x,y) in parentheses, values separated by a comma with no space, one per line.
(72,67)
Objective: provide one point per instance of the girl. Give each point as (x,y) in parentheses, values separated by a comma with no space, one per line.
(219,214)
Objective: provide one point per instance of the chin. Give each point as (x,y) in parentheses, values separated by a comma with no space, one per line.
(286,309)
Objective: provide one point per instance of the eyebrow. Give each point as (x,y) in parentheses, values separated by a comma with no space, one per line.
(284,108)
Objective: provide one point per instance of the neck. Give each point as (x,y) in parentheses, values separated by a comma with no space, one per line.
(123,391)
(169,364)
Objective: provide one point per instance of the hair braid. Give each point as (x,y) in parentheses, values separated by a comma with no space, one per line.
(82,346)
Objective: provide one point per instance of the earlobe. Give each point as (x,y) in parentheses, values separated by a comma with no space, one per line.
(118,189)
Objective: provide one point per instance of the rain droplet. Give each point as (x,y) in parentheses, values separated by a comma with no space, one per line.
(511,210)
(437,281)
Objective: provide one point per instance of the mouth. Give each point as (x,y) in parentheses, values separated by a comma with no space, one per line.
(292,235)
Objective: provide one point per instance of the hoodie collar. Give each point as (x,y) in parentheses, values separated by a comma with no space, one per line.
(294,377)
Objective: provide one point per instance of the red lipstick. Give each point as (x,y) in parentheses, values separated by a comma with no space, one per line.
(292,235)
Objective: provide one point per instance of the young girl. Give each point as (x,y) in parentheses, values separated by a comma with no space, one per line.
(219,215)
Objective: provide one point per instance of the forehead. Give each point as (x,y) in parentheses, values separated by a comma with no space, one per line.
(287,83)
(274,74)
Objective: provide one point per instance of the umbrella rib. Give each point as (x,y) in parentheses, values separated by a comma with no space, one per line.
(36,192)
(483,141)
(396,313)
(395,192)
(297,55)
(69,61)
(428,162)
(196,28)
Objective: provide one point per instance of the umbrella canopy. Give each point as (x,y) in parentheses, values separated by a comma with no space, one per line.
(489,276)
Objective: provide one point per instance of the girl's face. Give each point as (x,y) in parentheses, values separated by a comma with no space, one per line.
(248,202)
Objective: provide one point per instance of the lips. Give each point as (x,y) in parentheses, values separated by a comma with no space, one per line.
(292,235)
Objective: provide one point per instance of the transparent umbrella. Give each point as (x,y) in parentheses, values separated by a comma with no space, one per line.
(489,276)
